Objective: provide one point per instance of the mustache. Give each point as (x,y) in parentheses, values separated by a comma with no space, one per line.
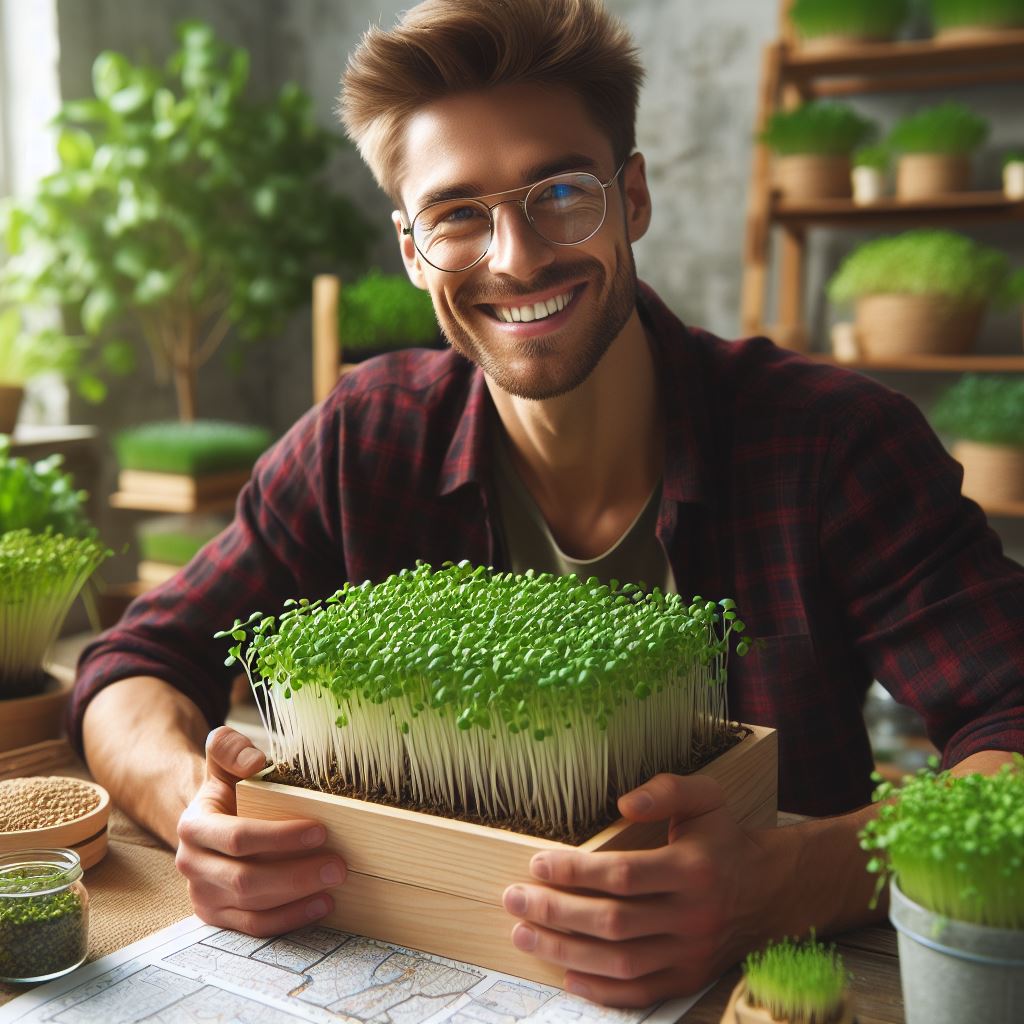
(498,290)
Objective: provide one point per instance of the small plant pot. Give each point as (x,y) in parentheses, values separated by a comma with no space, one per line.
(966,35)
(36,717)
(869,185)
(1013,180)
(926,175)
(408,871)
(890,326)
(11,396)
(993,473)
(953,971)
(809,176)
(740,1011)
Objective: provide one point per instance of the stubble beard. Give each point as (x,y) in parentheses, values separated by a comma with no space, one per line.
(575,367)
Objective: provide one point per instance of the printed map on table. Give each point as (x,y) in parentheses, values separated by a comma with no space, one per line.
(192,973)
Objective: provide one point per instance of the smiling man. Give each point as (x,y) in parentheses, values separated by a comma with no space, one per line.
(578,426)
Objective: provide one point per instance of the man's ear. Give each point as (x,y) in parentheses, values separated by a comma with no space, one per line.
(637,197)
(410,257)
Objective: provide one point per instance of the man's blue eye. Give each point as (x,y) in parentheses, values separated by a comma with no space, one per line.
(561,191)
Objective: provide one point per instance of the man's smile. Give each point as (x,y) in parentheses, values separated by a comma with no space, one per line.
(533,309)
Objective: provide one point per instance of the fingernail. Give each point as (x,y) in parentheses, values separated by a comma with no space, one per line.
(540,868)
(250,759)
(524,938)
(316,908)
(330,874)
(577,988)
(515,901)
(640,802)
(314,836)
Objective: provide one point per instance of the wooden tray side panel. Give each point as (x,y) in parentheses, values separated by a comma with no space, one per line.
(435,922)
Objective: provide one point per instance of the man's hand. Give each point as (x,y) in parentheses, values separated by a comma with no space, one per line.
(649,924)
(257,877)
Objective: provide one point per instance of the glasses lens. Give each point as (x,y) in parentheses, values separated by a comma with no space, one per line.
(568,208)
(452,235)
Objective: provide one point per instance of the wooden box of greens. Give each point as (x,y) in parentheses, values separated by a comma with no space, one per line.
(463,700)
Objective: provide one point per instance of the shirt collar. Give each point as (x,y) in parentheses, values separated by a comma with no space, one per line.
(688,433)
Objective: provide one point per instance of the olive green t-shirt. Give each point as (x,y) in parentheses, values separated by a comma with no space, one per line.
(637,556)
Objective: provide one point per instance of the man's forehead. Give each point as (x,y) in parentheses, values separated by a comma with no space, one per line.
(482,142)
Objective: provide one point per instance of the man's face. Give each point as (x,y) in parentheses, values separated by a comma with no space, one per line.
(477,144)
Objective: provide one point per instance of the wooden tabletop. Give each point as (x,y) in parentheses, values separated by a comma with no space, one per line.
(869,953)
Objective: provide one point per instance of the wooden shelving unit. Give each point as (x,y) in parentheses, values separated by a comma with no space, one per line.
(931,364)
(962,208)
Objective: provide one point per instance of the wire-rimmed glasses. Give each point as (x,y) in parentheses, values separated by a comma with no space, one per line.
(564,209)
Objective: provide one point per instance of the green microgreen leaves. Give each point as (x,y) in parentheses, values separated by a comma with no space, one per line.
(796,981)
(531,695)
(956,843)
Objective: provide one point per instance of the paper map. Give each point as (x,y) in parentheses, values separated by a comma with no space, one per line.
(194,972)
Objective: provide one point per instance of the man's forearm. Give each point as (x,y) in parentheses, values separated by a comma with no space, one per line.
(144,742)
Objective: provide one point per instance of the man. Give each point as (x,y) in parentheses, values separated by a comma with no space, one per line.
(577,418)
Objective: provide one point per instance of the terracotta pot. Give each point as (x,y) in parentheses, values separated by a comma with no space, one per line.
(10,404)
(993,473)
(811,176)
(926,175)
(914,325)
(868,185)
(739,1010)
(1013,180)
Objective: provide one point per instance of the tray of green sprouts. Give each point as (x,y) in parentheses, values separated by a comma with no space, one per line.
(475,717)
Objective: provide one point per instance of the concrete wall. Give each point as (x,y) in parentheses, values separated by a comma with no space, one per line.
(695,129)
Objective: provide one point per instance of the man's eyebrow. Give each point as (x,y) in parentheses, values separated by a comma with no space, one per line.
(471,190)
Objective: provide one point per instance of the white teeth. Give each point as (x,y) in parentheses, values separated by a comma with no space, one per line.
(538,311)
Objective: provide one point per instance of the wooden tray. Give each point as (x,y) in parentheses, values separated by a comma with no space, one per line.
(435,884)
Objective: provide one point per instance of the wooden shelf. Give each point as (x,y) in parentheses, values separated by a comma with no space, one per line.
(166,503)
(931,364)
(899,66)
(974,207)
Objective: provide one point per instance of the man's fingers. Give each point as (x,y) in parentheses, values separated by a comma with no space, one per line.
(672,796)
(264,923)
(203,826)
(230,756)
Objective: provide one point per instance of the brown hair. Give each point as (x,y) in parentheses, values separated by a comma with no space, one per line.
(441,47)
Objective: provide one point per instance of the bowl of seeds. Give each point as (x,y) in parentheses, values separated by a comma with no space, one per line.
(49,811)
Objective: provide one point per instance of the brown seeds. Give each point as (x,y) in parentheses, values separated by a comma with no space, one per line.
(41,802)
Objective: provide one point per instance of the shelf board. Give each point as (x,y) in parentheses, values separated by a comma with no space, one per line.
(167,503)
(931,364)
(914,64)
(952,208)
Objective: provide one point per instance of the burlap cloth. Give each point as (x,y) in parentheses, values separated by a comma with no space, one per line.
(134,890)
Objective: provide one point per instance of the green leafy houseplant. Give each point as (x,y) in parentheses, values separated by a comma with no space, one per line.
(799,982)
(946,14)
(866,19)
(178,539)
(988,410)
(24,355)
(949,128)
(41,574)
(380,312)
(180,209)
(194,449)
(526,698)
(38,496)
(823,129)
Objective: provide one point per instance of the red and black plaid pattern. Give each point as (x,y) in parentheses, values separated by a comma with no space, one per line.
(818,499)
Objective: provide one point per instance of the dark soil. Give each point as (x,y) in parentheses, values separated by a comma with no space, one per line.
(288,775)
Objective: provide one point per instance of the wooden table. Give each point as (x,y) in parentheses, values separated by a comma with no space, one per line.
(138,872)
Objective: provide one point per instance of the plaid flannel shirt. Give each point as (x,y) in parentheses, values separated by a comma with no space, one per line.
(819,500)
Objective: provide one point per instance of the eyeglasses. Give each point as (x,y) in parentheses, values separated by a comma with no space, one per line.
(565,209)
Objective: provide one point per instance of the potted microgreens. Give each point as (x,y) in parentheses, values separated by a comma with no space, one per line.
(935,147)
(181,209)
(383,312)
(491,715)
(828,25)
(1013,175)
(953,848)
(870,169)
(923,292)
(791,982)
(985,415)
(966,21)
(812,145)
(167,543)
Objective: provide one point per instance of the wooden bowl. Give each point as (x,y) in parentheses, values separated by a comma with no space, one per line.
(86,835)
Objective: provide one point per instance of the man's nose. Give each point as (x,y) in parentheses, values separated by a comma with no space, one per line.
(516,248)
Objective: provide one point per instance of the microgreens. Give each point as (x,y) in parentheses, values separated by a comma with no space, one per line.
(510,696)
(949,128)
(988,410)
(875,19)
(1015,156)
(877,157)
(996,13)
(955,843)
(800,982)
(40,577)
(827,129)
(385,311)
(199,446)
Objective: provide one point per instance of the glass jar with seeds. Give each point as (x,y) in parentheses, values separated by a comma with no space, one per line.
(44,915)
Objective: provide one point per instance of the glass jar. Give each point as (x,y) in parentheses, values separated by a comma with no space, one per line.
(44,915)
